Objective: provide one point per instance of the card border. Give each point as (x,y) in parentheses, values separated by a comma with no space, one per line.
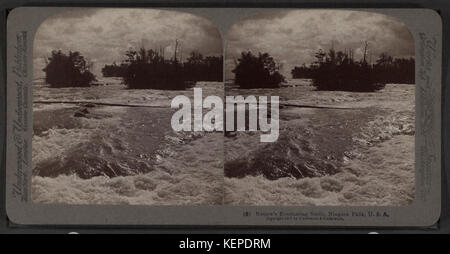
(424,211)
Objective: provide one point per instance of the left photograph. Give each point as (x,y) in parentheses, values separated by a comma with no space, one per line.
(103,82)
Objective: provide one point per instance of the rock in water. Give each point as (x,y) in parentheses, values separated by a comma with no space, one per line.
(81,113)
(284,158)
(89,105)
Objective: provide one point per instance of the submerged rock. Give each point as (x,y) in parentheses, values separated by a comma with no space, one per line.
(89,105)
(81,113)
(287,157)
(89,165)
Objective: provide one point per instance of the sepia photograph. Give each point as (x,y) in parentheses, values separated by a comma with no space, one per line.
(345,81)
(305,108)
(102,89)
(163,118)
(211,118)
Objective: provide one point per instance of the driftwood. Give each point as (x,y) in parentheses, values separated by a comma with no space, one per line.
(314,106)
(159,106)
(101,104)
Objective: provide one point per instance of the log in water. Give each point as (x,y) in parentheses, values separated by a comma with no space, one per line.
(158,106)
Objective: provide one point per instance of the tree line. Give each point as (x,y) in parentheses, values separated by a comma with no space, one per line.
(332,70)
(257,71)
(141,69)
(68,70)
(114,70)
(337,70)
(149,69)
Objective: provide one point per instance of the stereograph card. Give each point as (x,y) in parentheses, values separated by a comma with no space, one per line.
(232,117)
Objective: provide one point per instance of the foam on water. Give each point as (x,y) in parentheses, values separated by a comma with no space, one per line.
(369,151)
(375,179)
(192,176)
(119,155)
(371,147)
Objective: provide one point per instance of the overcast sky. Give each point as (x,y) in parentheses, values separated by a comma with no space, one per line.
(103,35)
(292,37)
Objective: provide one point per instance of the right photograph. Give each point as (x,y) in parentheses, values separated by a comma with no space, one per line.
(346,87)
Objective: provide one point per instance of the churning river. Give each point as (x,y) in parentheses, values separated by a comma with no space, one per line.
(358,150)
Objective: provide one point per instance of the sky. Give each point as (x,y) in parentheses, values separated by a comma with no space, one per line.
(103,35)
(292,37)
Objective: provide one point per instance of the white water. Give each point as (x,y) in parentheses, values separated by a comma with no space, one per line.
(187,169)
